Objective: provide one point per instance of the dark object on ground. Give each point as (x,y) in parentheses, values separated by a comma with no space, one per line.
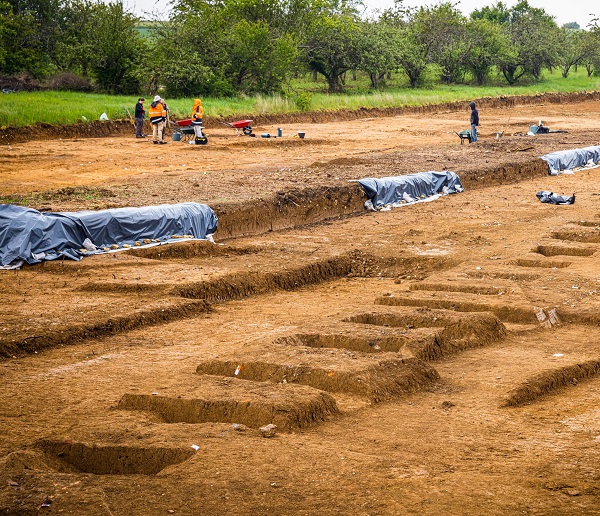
(552,198)
(542,129)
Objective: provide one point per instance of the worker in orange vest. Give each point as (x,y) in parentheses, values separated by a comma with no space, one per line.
(197,115)
(158,118)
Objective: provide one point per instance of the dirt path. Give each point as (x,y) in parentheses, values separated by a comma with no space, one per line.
(400,354)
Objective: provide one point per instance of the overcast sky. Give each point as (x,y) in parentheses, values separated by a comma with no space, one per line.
(564,11)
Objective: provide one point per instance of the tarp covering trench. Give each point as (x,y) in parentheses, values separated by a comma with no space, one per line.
(396,191)
(30,236)
(567,160)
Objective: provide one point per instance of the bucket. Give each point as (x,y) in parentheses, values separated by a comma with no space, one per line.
(279,132)
(176,137)
(300,134)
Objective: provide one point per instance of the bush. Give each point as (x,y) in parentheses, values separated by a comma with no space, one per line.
(20,82)
(303,101)
(69,81)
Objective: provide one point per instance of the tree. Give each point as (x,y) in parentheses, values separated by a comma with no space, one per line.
(592,45)
(259,61)
(443,31)
(537,37)
(332,48)
(116,47)
(184,59)
(498,14)
(73,50)
(378,53)
(533,43)
(487,43)
(573,49)
(44,30)
(21,44)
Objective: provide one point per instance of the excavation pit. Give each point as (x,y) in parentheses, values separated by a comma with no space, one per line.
(343,341)
(289,407)
(483,290)
(588,237)
(510,313)
(451,332)
(508,275)
(73,457)
(587,223)
(376,380)
(542,264)
(559,250)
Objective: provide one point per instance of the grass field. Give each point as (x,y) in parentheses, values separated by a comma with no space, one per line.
(55,107)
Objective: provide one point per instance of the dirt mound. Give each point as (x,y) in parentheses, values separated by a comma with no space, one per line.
(118,324)
(549,382)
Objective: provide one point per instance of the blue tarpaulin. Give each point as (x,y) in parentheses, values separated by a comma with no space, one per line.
(560,161)
(27,235)
(398,190)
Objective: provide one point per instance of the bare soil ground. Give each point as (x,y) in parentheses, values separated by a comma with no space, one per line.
(440,358)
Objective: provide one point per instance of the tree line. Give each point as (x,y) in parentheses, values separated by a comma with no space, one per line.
(225,47)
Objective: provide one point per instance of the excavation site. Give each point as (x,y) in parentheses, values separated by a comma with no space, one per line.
(319,352)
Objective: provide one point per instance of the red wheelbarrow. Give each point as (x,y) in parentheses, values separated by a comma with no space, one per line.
(241,126)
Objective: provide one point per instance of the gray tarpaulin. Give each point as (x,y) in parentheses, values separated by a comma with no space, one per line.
(27,235)
(560,161)
(552,198)
(398,190)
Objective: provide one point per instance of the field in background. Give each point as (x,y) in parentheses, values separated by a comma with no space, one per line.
(57,107)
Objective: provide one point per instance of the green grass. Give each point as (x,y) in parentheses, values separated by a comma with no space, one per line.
(29,108)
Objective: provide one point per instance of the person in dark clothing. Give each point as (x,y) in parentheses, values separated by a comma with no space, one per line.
(140,112)
(474,122)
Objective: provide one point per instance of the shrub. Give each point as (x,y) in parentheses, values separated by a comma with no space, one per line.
(303,101)
(69,81)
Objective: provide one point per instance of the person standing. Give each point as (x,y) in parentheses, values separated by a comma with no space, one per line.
(197,116)
(140,112)
(474,122)
(158,118)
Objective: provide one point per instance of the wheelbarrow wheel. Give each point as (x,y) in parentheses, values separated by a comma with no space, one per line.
(247,130)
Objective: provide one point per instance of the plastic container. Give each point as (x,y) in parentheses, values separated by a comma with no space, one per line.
(301,134)
(265,135)
(279,132)
(176,137)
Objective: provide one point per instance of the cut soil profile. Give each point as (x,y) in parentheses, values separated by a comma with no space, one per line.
(439,358)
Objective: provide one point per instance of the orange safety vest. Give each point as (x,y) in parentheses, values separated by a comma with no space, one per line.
(157,113)
(198,113)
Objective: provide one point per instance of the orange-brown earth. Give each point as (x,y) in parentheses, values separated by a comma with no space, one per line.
(440,358)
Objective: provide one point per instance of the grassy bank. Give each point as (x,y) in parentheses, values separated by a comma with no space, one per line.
(29,108)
